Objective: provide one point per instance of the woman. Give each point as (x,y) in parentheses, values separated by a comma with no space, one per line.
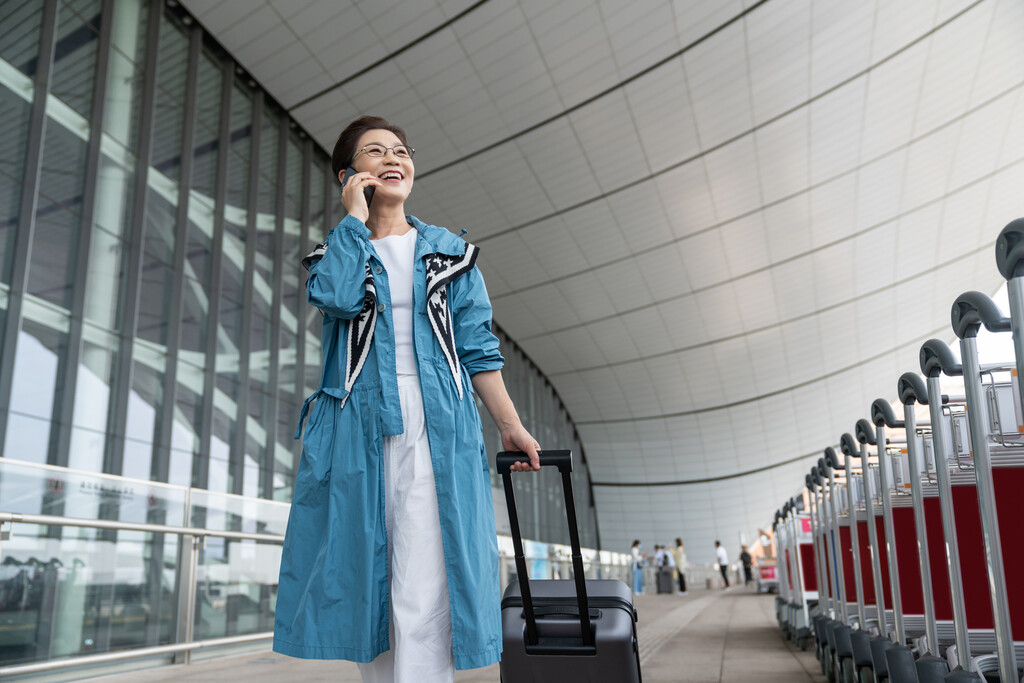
(679,555)
(390,556)
(638,567)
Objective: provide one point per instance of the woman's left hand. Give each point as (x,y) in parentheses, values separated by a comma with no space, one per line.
(518,439)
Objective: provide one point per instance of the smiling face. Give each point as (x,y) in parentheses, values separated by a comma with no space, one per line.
(396,174)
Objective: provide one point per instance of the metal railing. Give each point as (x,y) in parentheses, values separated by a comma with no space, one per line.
(193,539)
(20,482)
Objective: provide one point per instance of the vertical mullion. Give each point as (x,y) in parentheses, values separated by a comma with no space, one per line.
(237,466)
(201,469)
(65,411)
(277,285)
(133,272)
(165,420)
(27,210)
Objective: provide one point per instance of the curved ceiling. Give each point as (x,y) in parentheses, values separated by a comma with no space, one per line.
(721,228)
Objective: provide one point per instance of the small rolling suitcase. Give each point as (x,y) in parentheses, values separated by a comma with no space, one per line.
(557,631)
(665,581)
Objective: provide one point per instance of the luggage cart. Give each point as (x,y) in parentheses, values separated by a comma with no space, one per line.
(879,642)
(917,568)
(956,511)
(812,481)
(767,575)
(837,628)
(970,311)
(868,612)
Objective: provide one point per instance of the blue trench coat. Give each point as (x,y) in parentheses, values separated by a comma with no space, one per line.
(332,600)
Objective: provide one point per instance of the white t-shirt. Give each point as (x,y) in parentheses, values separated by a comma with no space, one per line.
(398,253)
(723,559)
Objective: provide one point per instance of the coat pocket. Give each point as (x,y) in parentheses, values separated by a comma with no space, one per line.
(316,442)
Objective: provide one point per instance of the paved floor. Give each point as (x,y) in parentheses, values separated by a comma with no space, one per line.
(716,636)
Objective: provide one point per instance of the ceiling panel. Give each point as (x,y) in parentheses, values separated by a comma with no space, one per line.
(698,222)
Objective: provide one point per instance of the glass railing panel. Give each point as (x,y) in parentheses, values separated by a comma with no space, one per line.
(227,512)
(236,588)
(34,489)
(70,591)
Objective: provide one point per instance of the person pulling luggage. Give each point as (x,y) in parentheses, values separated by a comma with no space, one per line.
(392,457)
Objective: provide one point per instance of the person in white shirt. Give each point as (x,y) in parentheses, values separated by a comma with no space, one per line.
(638,568)
(723,562)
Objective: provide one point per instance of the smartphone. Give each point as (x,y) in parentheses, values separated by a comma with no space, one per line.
(368,192)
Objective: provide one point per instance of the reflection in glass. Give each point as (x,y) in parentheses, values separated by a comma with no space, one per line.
(80,592)
(34,389)
(58,216)
(75,54)
(236,588)
(19,41)
(15,111)
(92,400)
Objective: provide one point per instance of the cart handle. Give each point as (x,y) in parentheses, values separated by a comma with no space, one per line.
(1010,249)
(911,389)
(936,357)
(831,459)
(971,310)
(882,414)
(848,446)
(865,432)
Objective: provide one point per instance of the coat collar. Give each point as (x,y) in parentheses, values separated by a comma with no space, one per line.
(435,240)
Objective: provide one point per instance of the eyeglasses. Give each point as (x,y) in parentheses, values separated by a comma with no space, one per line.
(377,150)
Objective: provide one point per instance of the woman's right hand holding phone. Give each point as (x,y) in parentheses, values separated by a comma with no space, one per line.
(353,194)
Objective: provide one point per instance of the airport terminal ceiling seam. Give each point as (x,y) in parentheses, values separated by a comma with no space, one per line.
(745,333)
(771,394)
(706,480)
(704,152)
(753,212)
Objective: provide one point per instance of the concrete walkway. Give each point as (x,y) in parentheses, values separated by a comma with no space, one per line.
(705,636)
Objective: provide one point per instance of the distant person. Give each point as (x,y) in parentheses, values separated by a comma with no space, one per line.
(679,556)
(638,568)
(723,562)
(747,560)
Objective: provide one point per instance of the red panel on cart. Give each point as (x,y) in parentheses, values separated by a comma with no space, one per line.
(1009,483)
(807,562)
(937,560)
(883,561)
(865,563)
(828,567)
(846,553)
(907,565)
(977,599)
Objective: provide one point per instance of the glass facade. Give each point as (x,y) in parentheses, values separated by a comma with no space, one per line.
(155,345)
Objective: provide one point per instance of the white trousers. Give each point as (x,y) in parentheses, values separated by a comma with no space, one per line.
(421,629)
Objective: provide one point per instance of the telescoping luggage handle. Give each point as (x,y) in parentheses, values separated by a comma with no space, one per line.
(563,461)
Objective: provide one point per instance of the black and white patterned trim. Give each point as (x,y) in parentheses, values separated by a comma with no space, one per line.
(315,255)
(360,335)
(442,269)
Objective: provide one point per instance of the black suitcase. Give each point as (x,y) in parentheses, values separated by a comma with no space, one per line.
(666,583)
(557,631)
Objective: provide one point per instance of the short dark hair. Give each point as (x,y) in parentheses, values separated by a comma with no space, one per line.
(345,147)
